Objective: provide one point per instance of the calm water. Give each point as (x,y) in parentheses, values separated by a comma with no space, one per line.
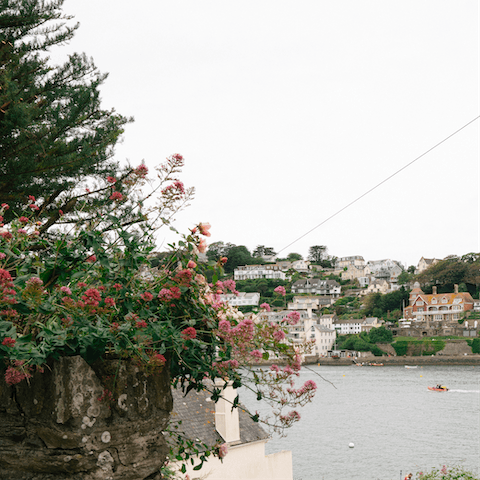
(396,424)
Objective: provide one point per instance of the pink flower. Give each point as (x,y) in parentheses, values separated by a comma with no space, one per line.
(9,342)
(141,171)
(222,451)
(191,264)
(265,306)
(223,260)
(147,296)
(141,324)
(23,219)
(81,284)
(117,287)
(31,198)
(159,359)
(114,327)
(14,376)
(34,207)
(65,290)
(279,335)
(22,231)
(117,196)
(6,235)
(5,206)
(111,179)
(293,318)
(280,290)
(204,229)
(60,212)
(2,255)
(189,333)
(175,292)
(92,259)
(202,246)
(256,354)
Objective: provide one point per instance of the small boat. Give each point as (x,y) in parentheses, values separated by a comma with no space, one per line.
(442,388)
(409,366)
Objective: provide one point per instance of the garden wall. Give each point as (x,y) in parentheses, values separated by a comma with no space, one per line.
(56,427)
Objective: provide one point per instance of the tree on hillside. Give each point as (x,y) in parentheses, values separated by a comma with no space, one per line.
(217,250)
(238,255)
(53,131)
(263,251)
(453,270)
(293,257)
(317,253)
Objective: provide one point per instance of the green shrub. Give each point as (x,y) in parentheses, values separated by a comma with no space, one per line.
(400,347)
(475,345)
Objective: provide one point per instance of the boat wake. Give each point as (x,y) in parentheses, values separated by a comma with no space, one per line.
(464,391)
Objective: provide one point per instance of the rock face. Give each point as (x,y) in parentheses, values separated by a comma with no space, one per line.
(65,425)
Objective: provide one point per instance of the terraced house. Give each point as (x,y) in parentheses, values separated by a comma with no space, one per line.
(315,286)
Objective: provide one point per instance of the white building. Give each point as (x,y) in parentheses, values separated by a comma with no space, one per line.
(248,272)
(217,423)
(316,286)
(242,299)
(348,326)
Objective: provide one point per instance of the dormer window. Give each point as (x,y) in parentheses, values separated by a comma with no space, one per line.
(444,300)
(434,300)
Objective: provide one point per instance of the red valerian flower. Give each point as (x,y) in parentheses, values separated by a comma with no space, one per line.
(9,342)
(34,207)
(141,324)
(189,333)
(92,259)
(111,179)
(147,296)
(23,219)
(280,290)
(117,196)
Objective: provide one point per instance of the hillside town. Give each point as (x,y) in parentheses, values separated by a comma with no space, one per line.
(315,292)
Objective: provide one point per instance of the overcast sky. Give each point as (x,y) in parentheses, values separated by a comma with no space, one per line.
(287,111)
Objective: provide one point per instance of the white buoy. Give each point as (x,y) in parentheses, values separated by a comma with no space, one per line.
(351,445)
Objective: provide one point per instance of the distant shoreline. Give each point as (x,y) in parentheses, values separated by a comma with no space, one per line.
(404,360)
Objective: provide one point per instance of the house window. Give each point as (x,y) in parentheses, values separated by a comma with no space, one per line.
(444,300)
(419,302)
(420,309)
(438,317)
(434,300)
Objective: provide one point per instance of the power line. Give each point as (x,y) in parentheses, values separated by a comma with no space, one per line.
(381,183)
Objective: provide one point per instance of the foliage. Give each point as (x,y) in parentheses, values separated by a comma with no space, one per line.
(236,255)
(378,304)
(453,270)
(263,251)
(358,342)
(448,473)
(380,335)
(475,345)
(53,130)
(91,291)
(401,347)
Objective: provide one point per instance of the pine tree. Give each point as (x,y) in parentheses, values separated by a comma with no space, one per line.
(53,130)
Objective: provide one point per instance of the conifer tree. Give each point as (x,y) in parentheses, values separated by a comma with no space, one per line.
(53,130)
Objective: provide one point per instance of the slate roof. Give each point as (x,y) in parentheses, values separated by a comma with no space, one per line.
(197,413)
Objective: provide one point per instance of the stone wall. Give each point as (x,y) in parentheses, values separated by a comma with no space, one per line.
(56,427)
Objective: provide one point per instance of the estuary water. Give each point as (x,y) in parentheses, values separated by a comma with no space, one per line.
(396,424)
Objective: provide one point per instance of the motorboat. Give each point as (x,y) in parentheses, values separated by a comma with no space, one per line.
(410,366)
(439,388)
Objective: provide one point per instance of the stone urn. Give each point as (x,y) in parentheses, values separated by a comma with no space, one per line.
(80,421)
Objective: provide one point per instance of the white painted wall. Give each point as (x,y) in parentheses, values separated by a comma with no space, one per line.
(246,462)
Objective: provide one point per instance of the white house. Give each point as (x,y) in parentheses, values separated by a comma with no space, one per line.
(247,272)
(316,286)
(348,326)
(242,299)
(217,423)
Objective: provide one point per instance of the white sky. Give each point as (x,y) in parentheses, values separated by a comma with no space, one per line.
(286,111)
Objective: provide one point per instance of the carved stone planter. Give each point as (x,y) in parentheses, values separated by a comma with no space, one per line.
(57,428)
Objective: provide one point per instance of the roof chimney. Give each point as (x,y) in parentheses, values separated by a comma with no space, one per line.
(434,290)
(226,419)
(455,288)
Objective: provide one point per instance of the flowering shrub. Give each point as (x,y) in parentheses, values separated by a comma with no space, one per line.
(89,289)
(447,473)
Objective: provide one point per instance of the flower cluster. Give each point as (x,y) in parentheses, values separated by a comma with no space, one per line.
(102,292)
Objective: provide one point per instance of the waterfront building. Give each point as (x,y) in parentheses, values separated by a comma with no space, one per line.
(348,326)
